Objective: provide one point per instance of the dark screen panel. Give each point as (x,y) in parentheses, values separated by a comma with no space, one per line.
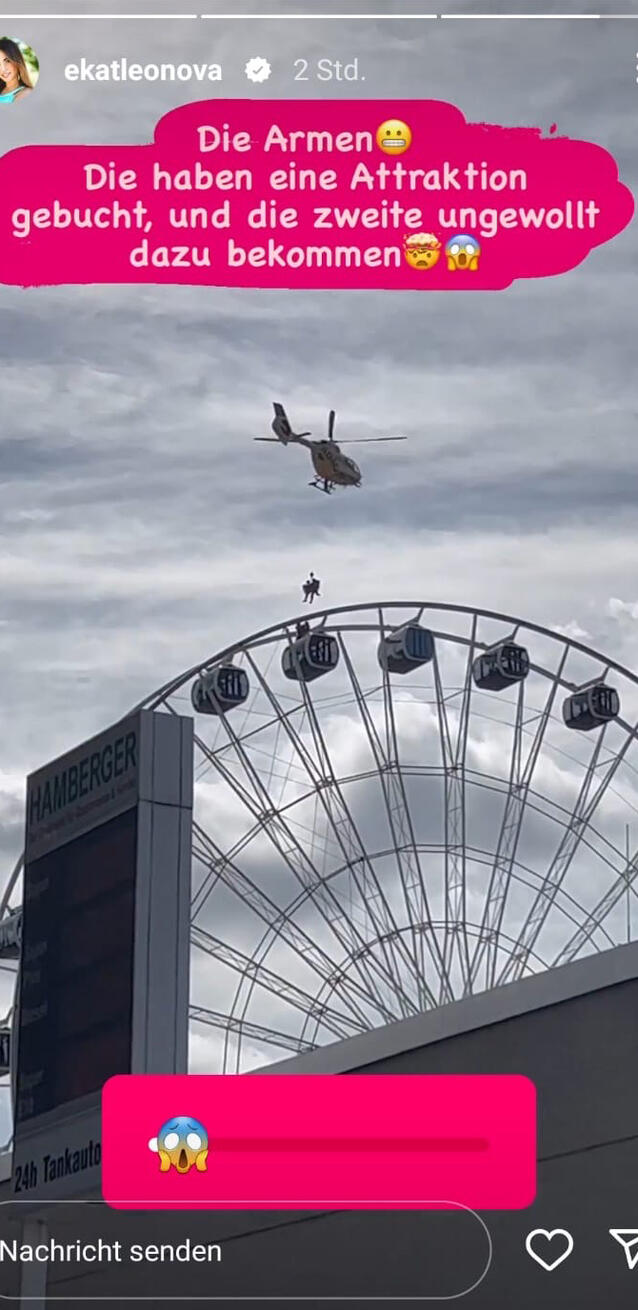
(94,931)
(105,1052)
(76,983)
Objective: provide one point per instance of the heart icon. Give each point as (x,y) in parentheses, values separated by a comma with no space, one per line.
(559,1238)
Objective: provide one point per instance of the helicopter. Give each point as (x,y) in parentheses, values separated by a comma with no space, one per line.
(332,468)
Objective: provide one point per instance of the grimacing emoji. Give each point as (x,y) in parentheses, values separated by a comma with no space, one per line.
(182,1143)
(394,137)
(463,252)
(422,249)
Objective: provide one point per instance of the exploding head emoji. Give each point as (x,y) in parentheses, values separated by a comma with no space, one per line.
(422,249)
(463,252)
(182,1142)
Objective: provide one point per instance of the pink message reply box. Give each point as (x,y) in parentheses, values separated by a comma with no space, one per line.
(286,1142)
(404,195)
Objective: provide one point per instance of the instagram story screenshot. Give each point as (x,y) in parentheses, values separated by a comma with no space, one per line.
(319,766)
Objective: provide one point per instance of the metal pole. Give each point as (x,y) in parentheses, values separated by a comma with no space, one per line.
(628,876)
(33,1282)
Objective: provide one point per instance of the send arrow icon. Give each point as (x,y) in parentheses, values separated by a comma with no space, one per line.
(628,1238)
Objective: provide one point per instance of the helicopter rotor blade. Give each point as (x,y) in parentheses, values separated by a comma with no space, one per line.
(275,440)
(331,424)
(358,441)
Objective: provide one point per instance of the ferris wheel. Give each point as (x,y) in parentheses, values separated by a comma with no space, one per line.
(397,805)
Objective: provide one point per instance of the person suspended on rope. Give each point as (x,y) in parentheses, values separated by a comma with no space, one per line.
(311,588)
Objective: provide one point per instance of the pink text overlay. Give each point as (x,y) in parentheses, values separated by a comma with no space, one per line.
(354,194)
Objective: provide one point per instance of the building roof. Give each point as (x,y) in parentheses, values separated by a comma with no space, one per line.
(597,971)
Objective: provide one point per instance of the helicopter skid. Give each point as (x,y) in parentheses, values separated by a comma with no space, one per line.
(318,485)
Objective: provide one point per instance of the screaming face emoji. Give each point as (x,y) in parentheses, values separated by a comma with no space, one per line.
(422,249)
(394,137)
(463,252)
(182,1142)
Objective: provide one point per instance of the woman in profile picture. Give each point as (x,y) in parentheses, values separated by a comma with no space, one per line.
(15,79)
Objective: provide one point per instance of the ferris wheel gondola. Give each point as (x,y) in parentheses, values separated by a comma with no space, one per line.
(501,666)
(591,707)
(405,649)
(310,656)
(220,690)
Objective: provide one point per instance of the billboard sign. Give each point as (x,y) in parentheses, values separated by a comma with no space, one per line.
(84,788)
(104,963)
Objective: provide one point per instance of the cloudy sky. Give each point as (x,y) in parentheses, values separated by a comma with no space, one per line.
(142,530)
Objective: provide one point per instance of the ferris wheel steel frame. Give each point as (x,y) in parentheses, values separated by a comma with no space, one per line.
(361,981)
(519,793)
(421,927)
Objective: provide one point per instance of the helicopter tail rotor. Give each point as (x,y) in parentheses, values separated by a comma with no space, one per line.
(281,426)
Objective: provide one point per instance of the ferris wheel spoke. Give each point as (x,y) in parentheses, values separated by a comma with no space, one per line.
(354,992)
(416,879)
(417,897)
(453,755)
(11,882)
(594,921)
(473,930)
(338,1023)
(570,909)
(366,891)
(584,809)
(215,864)
(505,848)
(282,926)
(382,767)
(520,780)
(254,1031)
(277,830)
(398,823)
(366,885)
(543,901)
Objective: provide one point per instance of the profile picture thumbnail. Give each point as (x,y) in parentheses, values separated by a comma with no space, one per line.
(19,70)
